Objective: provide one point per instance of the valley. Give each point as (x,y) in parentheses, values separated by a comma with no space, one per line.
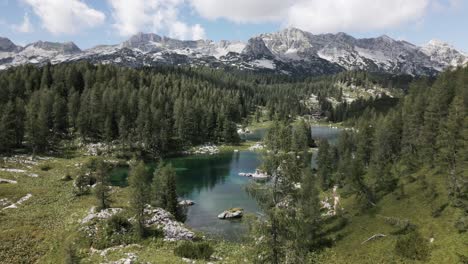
(289,147)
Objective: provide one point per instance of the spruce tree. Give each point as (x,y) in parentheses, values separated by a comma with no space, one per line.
(7,127)
(324,164)
(102,190)
(452,146)
(164,191)
(138,194)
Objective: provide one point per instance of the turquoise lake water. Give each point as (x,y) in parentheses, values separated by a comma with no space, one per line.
(212,181)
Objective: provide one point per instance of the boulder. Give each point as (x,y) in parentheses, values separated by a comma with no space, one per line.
(93,214)
(186,203)
(164,220)
(231,213)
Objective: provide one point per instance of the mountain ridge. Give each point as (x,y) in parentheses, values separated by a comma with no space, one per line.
(289,51)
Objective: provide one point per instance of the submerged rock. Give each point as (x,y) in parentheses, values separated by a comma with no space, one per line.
(231,213)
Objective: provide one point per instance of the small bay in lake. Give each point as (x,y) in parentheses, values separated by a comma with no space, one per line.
(214,184)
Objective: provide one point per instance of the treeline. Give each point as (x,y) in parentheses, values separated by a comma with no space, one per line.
(155,110)
(427,130)
(360,107)
(159,110)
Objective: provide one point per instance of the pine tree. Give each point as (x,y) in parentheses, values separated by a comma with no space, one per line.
(364,142)
(59,115)
(290,213)
(309,225)
(139,194)
(7,127)
(301,139)
(324,164)
(452,145)
(102,190)
(164,191)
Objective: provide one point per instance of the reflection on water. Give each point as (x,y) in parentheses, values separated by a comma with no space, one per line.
(214,184)
(212,181)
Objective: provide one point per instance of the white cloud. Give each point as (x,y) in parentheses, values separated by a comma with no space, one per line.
(317,15)
(66,16)
(243,11)
(339,15)
(198,32)
(133,16)
(25,26)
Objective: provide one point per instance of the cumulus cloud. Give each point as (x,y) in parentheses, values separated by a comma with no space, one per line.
(316,15)
(25,26)
(66,16)
(243,11)
(336,15)
(133,16)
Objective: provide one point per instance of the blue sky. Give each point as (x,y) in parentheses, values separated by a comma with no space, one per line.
(92,22)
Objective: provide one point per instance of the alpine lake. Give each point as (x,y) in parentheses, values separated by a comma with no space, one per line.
(214,184)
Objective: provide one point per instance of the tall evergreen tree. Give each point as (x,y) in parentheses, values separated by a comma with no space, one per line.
(139,193)
(102,190)
(324,164)
(452,148)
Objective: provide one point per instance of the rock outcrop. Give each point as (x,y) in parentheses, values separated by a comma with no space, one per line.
(231,213)
(173,230)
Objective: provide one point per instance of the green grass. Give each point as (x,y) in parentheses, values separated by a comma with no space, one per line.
(40,229)
(417,208)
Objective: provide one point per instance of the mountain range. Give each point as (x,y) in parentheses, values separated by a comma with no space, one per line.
(290,51)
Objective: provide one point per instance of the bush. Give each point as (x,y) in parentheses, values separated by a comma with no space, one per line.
(413,246)
(67,177)
(438,210)
(462,224)
(45,167)
(192,250)
(81,185)
(116,230)
(118,224)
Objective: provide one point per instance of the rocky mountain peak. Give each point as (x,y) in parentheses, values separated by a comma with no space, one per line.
(256,48)
(289,51)
(141,40)
(444,53)
(62,48)
(6,45)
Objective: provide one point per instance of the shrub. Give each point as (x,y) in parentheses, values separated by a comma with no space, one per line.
(462,224)
(118,224)
(192,250)
(71,255)
(438,210)
(81,185)
(116,230)
(153,232)
(413,246)
(45,167)
(67,177)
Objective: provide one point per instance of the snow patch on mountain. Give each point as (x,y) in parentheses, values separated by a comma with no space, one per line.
(444,53)
(264,63)
(290,51)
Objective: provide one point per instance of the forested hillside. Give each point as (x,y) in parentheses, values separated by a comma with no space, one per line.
(157,110)
(392,189)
